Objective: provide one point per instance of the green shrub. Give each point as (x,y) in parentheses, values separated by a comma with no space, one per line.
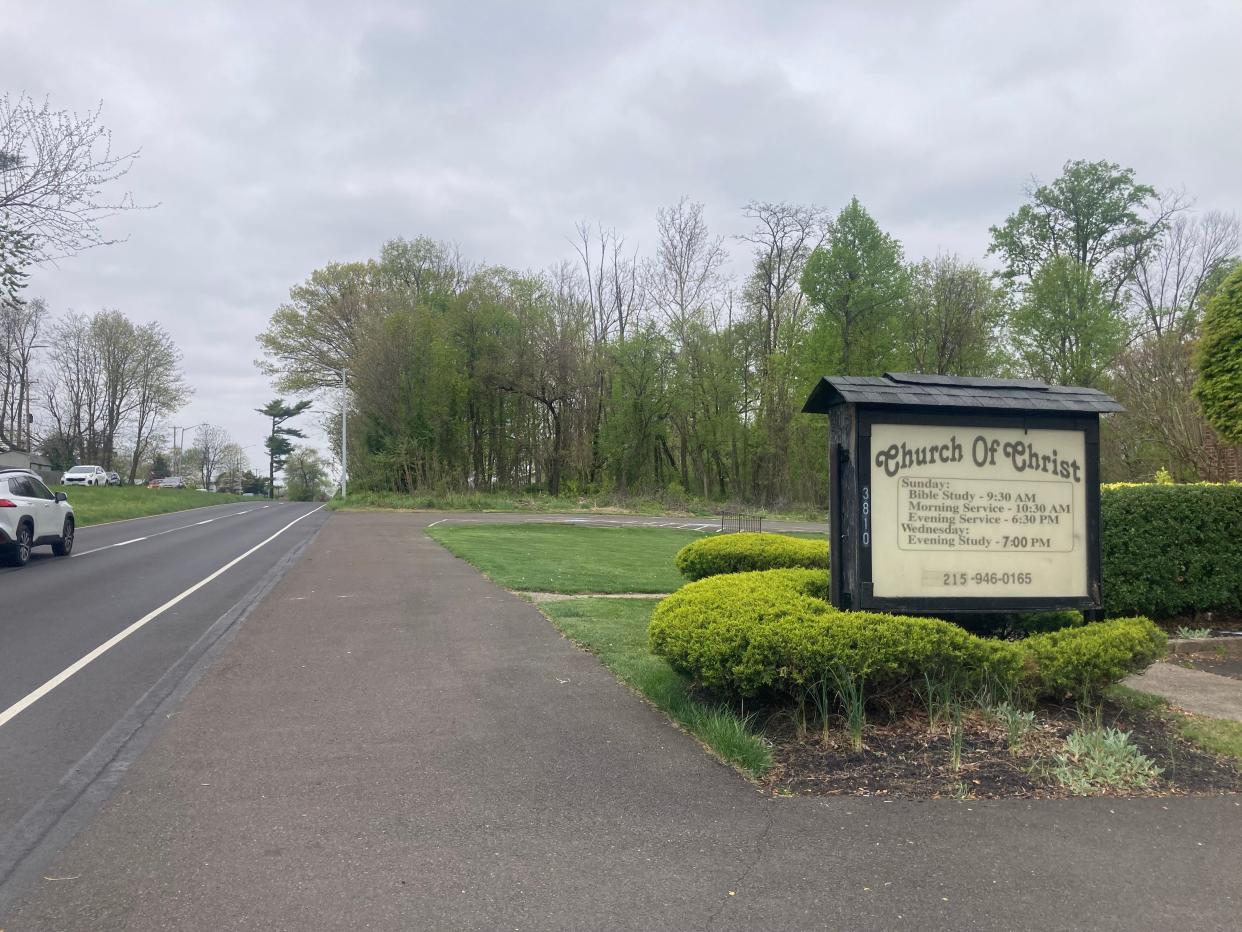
(740,553)
(1081,662)
(1171,550)
(749,634)
(771,633)
(1103,759)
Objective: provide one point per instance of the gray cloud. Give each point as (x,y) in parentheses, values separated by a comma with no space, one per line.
(277,137)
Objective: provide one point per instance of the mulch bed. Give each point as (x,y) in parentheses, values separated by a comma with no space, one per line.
(905,759)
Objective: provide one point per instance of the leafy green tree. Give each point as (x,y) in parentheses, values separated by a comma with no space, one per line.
(254,485)
(1219,360)
(1067,330)
(305,475)
(857,282)
(278,444)
(952,318)
(160,468)
(1092,214)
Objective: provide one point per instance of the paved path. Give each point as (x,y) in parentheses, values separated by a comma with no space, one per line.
(391,742)
(91,647)
(1192,690)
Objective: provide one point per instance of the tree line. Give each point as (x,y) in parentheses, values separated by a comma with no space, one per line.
(665,372)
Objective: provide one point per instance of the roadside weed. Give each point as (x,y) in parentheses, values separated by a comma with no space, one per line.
(936,695)
(730,736)
(851,691)
(1100,759)
(1185,633)
(955,734)
(1017,722)
(823,696)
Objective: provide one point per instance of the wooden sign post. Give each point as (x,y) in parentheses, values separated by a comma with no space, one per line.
(962,495)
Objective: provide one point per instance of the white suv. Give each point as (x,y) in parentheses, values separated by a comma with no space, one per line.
(84,475)
(31,515)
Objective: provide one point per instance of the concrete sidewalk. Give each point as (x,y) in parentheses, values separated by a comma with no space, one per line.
(392,742)
(1192,690)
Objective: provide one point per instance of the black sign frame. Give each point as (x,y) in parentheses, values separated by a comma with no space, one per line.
(866,600)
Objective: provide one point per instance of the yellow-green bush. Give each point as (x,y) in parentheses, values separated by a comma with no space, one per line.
(748,634)
(1081,662)
(741,553)
(772,633)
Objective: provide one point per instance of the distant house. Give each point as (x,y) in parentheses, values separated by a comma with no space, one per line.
(20,459)
(1226,460)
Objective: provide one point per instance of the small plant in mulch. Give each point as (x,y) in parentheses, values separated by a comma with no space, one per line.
(1099,760)
(962,749)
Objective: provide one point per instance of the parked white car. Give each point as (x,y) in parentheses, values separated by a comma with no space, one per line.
(85,475)
(32,515)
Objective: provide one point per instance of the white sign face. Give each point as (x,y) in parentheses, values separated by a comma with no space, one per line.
(976,512)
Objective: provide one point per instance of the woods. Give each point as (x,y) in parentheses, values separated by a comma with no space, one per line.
(680,371)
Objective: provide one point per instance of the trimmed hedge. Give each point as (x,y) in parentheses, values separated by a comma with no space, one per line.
(740,553)
(1171,550)
(1083,661)
(772,633)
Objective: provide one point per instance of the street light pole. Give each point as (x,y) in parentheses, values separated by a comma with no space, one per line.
(344,434)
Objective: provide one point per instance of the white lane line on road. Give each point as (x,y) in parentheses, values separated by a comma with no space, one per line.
(26,701)
(183,527)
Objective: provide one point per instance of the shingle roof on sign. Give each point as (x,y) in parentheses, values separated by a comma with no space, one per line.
(947,391)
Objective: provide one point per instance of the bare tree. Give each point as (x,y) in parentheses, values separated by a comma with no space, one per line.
(783,237)
(108,377)
(613,284)
(20,323)
(685,278)
(1169,280)
(210,442)
(233,463)
(55,168)
(160,388)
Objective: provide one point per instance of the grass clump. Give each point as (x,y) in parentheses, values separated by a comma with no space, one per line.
(615,630)
(1218,736)
(103,503)
(1097,760)
(739,553)
(1017,722)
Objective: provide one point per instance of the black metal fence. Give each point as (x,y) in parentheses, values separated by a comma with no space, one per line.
(733,521)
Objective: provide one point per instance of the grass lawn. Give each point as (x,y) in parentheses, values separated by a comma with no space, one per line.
(1220,736)
(569,558)
(616,631)
(561,504)
(98,504)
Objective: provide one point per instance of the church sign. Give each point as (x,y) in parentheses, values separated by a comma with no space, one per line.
(958,494)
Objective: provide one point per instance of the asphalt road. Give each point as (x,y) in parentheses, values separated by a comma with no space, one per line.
(63,744)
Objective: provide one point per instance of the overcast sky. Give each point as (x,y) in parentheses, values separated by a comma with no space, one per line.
(277,137)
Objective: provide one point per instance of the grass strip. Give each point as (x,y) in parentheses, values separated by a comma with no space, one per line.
(1216,735)
(615,630)
(100,504)
(569,558)
(557,504)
